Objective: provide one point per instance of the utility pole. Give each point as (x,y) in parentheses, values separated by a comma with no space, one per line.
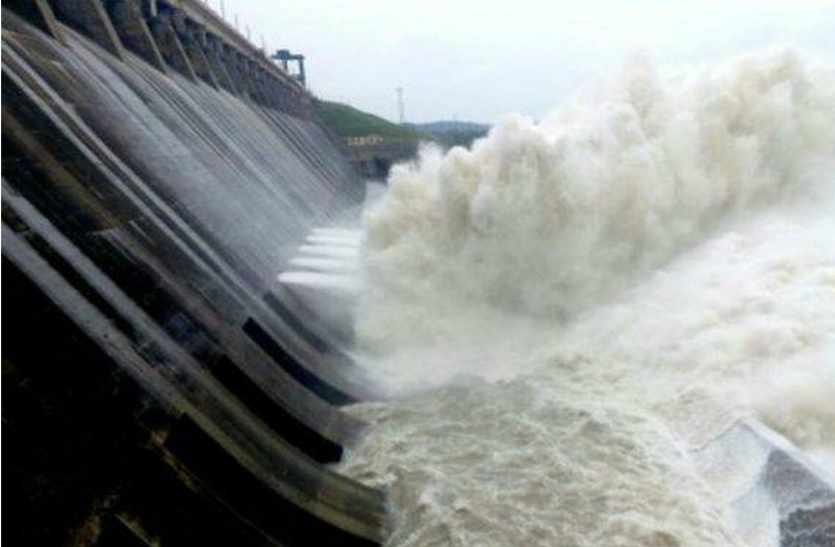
(401,106)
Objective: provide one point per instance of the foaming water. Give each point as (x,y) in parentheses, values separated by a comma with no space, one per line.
(325,264)
(561,310)
(334,239)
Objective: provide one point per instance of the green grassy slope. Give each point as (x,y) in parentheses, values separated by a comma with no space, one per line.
(347,121)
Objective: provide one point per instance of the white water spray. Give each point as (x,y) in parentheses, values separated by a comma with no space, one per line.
(558,307)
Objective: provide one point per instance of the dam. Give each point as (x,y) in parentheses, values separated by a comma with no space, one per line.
(163,385)
(159,173)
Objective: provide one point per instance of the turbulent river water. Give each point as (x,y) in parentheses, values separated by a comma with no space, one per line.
(558,312)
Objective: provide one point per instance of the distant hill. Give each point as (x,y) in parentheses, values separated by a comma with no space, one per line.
(347,121)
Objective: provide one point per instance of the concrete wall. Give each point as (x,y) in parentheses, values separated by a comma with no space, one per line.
(183,35)
(373,156)
(158,173)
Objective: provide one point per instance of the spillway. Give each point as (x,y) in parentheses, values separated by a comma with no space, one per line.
(158,174)
(179,231)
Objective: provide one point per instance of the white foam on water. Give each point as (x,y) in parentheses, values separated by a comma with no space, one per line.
(555,310)
(331,265)
(338,240)
(337,232)
(320,281)
(333,251)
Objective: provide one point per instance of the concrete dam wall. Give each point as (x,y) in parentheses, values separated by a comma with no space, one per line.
(158,173)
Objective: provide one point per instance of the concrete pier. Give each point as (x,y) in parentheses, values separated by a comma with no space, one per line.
(89,17)
(133,31)
(181,35)
(162,28)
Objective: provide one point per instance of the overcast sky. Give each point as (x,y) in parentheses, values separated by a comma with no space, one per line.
(478,59)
